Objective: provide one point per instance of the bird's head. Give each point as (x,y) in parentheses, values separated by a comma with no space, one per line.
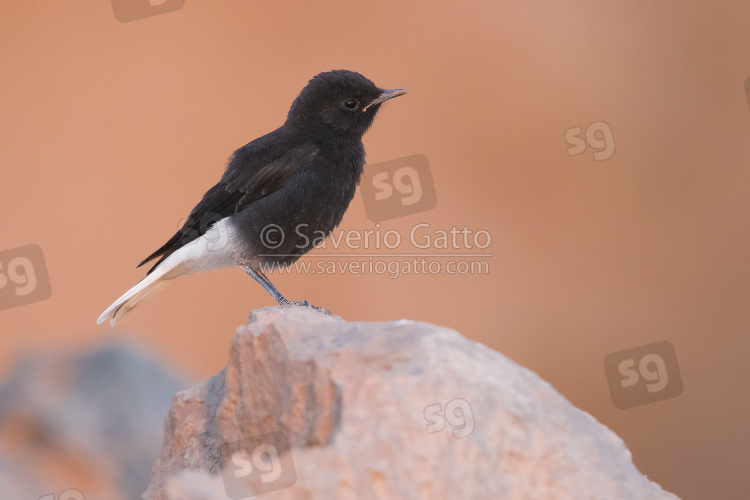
(341,100)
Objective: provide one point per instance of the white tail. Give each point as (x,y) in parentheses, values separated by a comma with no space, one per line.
(212,250)
(143,289)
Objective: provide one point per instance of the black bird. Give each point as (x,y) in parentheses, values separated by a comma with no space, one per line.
(278,194)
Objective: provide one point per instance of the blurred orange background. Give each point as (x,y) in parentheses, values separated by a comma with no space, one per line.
(110,132)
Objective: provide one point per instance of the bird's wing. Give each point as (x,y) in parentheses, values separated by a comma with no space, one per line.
(250,176)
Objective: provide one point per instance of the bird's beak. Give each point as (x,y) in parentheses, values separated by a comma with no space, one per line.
(384,96)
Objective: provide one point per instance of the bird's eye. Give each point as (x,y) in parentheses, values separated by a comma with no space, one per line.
(351,104)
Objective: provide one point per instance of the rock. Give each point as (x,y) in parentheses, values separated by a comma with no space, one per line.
(313,407)
(89,422)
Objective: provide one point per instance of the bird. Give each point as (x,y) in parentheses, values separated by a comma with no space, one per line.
(278,193)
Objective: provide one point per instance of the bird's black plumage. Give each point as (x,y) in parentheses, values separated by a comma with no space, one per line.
(316,158)
(299,178)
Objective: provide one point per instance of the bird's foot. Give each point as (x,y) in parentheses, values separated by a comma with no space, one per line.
(304,303)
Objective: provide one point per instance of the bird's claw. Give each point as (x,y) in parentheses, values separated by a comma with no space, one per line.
(304,303)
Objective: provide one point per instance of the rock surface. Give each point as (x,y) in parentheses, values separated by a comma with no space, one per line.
(313,407)
(86,423)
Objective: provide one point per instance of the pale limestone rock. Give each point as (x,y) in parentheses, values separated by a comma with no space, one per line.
(401,410)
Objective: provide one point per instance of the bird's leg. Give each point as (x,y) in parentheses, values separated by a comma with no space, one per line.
(261,278)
